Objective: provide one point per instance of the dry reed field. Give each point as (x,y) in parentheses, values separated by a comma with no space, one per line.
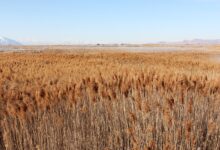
(105,100)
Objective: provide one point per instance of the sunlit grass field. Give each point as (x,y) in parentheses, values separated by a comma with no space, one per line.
(109,99)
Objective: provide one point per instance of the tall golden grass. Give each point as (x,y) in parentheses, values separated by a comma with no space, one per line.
(105,100)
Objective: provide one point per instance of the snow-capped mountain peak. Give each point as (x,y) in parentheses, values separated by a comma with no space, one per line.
(7,41)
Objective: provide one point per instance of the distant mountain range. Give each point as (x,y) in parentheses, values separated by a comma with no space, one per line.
(195,41)
(6,41)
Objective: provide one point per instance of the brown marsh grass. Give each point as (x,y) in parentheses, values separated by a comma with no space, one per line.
(109,100)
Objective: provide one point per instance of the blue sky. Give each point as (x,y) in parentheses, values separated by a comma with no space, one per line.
(112,21)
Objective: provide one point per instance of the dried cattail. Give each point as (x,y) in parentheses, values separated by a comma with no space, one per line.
(182,101)
(95,87)
(133,116)
(152,145)
(188,129)
(170,102)
(42,93)
(168,118)
(212,126)
(147,107)
(190,106)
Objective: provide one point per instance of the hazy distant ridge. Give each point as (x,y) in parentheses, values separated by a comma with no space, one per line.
(195,41)
(7,41)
